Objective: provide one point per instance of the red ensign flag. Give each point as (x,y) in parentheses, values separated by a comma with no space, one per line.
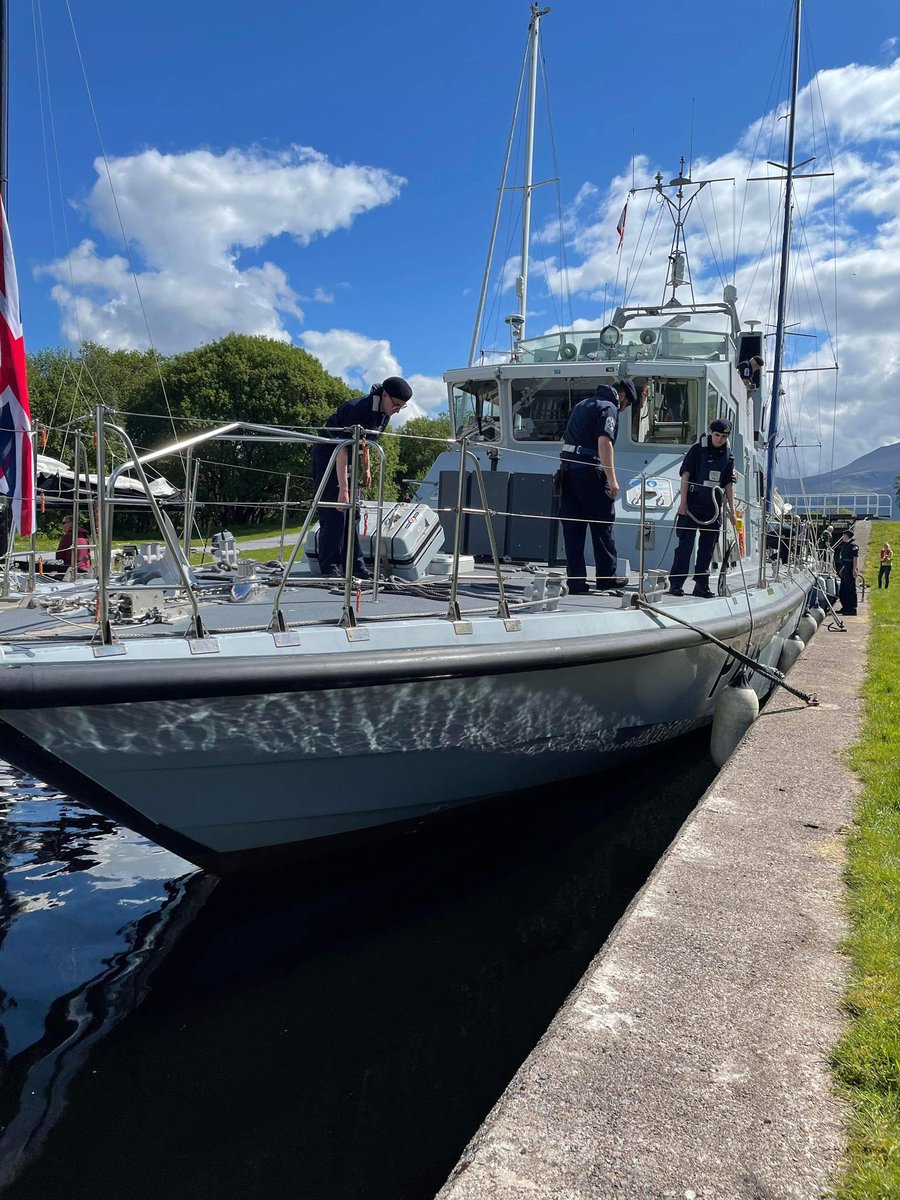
(620,228)
(16,462)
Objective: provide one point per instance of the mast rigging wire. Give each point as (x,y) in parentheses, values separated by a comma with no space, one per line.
(564,266)
(479,316)
(121,223)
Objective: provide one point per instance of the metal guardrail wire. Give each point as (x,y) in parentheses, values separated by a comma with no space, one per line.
(852,505)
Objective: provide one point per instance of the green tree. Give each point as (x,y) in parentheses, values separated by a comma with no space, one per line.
(419,442)
(65,388)
(239,378)
(161,400)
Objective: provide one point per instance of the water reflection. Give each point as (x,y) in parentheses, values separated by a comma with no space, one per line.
(56,855)
(66,952)
(336,1032)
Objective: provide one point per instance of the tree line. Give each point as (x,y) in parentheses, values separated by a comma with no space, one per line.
(158,399)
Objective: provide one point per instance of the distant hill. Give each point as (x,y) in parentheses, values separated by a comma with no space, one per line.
(873,472)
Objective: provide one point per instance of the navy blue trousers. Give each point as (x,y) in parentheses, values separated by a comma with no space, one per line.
(333,523)
(847,592)
(687,529)
(585,497)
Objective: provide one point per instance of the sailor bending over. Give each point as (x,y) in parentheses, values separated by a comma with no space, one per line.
(371,412)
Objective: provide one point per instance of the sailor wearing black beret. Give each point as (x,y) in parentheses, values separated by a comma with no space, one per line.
(707,481)
(371,412)
(846,559)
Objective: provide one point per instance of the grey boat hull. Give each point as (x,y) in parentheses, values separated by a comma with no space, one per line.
(230,759)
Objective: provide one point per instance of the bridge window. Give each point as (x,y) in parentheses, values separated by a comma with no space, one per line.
(541,407)
(669,414)
(475,406)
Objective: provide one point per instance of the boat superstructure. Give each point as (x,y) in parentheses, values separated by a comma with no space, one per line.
(682,355)
(513,415)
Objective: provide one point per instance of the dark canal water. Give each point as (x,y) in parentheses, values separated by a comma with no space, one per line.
(332,1033)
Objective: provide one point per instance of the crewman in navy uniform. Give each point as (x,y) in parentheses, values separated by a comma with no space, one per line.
(749,371)
(590,486)
(373,412)
(707,476)
(846,560)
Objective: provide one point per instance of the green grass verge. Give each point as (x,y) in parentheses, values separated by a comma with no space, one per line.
(47,542)
(867,1059)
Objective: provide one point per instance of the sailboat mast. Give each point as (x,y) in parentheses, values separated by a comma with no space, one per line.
(785,262)
(527,183)
(4,96)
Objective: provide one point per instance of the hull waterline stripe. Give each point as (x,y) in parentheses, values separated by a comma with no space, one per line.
(118,680)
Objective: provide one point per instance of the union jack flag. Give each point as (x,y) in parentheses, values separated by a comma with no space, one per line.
(620,228)
(16,461)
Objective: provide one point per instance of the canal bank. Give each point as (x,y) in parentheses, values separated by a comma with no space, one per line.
(692,1059)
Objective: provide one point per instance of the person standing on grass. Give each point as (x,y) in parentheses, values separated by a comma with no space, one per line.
(884,567)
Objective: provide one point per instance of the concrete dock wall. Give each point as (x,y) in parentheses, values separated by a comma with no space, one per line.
(691,1060)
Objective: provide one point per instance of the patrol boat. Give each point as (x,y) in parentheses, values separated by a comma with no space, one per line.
(239,727)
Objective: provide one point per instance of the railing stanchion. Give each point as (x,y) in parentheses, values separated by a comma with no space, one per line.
(376,564)
(453,613)
(188,501)
(348,616)
(104,629)
(33,538)
(643,537)
(503,607)
(287,489)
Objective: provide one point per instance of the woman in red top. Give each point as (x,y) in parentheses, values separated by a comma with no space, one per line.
(64,549)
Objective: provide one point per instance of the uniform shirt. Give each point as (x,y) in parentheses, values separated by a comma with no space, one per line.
(719,460)
(845,552)
(749,373)
(595,417)
(364,411)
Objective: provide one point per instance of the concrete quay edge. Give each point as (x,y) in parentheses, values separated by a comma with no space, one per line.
(691,1061)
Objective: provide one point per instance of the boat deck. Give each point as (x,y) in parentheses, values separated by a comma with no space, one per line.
(312,601)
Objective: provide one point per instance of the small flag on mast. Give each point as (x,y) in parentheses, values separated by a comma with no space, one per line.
(16,461)
(620,228)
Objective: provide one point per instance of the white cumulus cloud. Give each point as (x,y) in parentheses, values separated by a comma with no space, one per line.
(362,361)
(189,217)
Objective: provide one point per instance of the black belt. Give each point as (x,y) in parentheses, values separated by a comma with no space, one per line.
(581,451)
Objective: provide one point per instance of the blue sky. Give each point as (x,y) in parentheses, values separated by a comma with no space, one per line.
(327,174)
